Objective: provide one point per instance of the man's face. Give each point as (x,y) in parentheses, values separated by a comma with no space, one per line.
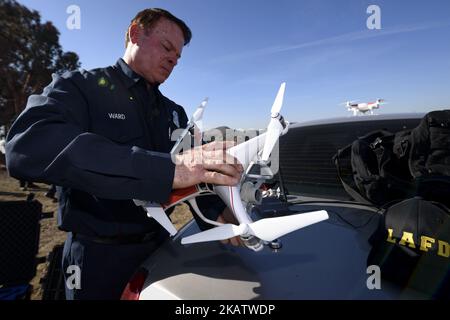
(158,50)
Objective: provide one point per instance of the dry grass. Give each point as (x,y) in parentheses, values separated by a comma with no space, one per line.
(50,235)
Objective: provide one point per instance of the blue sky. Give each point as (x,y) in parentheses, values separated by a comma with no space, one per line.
(243,49)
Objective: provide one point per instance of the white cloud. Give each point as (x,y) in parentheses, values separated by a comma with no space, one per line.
(340,39)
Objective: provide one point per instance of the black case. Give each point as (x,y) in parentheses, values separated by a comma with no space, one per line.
(19,241)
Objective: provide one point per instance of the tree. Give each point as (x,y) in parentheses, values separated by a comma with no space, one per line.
(29,53)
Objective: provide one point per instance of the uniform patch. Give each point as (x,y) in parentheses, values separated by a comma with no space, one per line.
(176,119)
(102,82)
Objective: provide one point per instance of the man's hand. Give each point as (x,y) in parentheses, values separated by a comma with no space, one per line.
(228,217)
(209,164)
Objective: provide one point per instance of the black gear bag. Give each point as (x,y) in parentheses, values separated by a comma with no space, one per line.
(389,167)
(379,166)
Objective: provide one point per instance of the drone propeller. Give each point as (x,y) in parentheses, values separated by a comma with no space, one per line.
(156,212)
(278,103)
(275,128)
(197,117)
(195,121)
(347,103)
(265,229)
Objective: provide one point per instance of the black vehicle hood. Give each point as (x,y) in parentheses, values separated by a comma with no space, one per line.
(327,260)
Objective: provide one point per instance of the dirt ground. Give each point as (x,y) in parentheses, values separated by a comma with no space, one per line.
(50,236)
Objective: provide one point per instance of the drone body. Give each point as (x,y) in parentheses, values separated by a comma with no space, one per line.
(364,107)
(241,197)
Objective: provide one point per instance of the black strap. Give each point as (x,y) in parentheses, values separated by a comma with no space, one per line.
(351,191)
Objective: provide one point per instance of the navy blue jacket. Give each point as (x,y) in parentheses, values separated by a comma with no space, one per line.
(104,138)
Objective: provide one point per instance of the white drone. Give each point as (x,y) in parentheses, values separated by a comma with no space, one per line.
(363,107)
(241,197)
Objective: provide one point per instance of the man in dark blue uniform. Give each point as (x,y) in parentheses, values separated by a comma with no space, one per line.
(104,139)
